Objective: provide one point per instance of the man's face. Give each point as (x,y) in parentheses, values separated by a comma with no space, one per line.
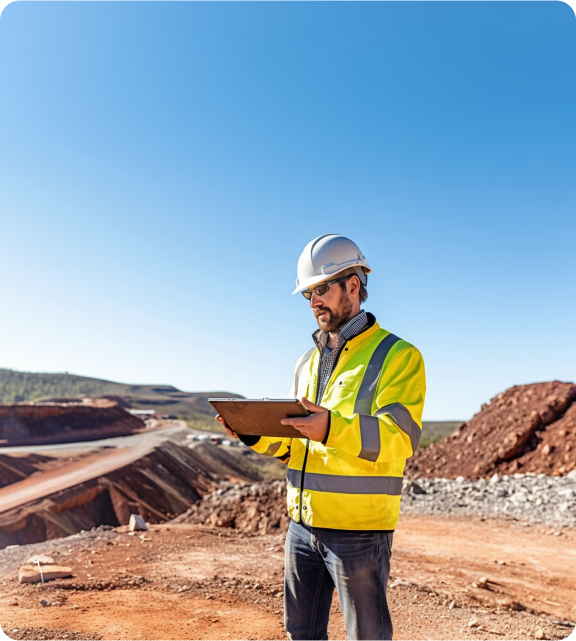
(333,308)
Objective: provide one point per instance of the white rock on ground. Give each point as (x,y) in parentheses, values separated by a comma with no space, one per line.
(137,523)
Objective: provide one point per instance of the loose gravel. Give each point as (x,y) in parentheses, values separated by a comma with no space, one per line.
(534,498)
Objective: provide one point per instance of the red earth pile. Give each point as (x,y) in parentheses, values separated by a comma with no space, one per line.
(527,428)
(259,508)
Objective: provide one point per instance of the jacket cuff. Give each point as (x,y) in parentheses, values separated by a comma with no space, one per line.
(249,439)
(325,439)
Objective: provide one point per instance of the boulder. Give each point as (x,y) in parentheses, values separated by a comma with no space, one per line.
(34,574)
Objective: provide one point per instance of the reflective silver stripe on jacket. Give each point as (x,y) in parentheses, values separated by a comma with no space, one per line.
(370,437)
(369,427)
(273,448)
(402,417)
(391,485)
(369,383)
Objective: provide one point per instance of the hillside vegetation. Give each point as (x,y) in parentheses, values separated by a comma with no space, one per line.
(436,431)
(22,387)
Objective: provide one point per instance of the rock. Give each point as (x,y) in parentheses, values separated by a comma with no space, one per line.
(45,603)
(473,623)
(539,633)
(137,523)
(482,580)
(514,605)
(31,573)
(414,488)
(42,559)
(452,605)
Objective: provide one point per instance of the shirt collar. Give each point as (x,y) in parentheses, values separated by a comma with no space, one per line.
(351,328)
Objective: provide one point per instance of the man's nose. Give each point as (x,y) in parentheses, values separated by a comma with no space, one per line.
(316,301)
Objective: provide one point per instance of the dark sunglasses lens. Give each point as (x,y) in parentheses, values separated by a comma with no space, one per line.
(307,295)
(321,289)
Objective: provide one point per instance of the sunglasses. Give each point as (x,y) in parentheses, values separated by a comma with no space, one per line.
(321,289)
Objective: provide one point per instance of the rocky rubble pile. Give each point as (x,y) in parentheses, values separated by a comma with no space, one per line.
(526,497)
(259,508)
(527,428)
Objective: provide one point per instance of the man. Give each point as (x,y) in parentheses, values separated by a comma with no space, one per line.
(365,390)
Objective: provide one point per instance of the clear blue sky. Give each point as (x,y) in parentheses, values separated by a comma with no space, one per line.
(162,165)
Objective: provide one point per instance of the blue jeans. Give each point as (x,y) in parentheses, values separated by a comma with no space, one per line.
(356,563)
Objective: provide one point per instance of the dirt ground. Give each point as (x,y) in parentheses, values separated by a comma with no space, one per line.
(182,581)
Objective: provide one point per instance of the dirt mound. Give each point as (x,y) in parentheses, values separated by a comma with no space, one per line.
(157,486)
(65,423)
(527,428)
(259,508)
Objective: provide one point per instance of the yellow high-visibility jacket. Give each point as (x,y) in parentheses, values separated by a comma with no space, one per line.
(376,397)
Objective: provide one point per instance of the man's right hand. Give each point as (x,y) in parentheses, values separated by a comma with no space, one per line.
(222,422)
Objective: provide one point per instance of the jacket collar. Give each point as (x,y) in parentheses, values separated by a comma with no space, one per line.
(351,329)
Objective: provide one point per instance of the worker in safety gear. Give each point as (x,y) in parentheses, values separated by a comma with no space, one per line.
(364,387)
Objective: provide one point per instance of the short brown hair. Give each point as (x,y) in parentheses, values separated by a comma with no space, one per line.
(363,293)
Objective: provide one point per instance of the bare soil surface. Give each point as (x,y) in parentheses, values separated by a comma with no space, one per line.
(185,581)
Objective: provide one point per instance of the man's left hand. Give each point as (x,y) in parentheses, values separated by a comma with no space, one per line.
(314,426)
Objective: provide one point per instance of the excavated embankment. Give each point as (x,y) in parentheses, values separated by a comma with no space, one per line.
(47,424)
(157,486)
(17,468)
(527,428)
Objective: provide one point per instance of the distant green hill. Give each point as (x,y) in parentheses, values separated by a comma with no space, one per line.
(21,387)
(434,431)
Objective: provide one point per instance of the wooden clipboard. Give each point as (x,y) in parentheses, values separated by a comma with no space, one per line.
(260,417)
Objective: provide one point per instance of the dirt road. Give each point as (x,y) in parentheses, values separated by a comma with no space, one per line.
(118,452)
(161,429)
(192,582)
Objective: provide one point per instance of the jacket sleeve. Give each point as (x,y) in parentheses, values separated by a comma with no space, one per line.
(394,428)
(273,446)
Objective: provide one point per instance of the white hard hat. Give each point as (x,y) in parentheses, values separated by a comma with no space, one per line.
(326,256)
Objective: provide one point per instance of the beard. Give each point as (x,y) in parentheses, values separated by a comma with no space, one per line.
(334,318)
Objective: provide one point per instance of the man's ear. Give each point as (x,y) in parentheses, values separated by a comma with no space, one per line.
(353,285)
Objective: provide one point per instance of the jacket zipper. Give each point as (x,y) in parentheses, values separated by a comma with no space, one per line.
(308,440)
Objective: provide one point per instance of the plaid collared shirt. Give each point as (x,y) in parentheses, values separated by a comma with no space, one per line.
(328,356)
